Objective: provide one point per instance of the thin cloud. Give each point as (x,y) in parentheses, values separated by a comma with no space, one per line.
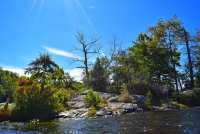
(61,53)
(92,7)
(17,70)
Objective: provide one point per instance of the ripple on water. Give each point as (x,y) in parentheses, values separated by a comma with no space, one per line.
(176,122)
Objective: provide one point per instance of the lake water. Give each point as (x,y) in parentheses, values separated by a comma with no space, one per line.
(180,122)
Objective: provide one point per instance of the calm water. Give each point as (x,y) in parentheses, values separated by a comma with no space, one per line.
(182,122)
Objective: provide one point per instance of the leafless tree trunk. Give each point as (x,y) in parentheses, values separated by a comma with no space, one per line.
(87,48)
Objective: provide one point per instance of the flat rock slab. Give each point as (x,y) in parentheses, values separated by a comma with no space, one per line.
(76,104)
(75,113)
(115,105)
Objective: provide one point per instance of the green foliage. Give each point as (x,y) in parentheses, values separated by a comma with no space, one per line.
(92,99)
(78,86)
(5,111)
(42,65)
(125,96)
(99,75)
(43,95)
(103,103)
(91,111)
(60,78)
(122,72)
(148,100)
(34,100)
(8,85)
(153,58)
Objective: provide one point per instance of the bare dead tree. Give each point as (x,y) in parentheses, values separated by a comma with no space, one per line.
(114,50)
(87,48)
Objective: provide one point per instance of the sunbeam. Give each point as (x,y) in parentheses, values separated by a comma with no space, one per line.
(84,13)
(37,3)
(34,3)
(76,8)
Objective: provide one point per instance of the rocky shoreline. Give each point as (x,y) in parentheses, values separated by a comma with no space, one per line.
(79,110)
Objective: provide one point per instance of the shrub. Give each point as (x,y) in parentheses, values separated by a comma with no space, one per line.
(92,99)
(5,111)
(91,111)
(103,103)
(125,96)
(34,100)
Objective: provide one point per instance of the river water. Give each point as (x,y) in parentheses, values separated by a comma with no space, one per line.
(173,122)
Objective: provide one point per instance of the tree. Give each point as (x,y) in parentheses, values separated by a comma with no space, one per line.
(154,56)
(61,79)
(99,79)
(168,34)
(43,95)
(187,40)
(150,62)
(197,58)
(87,48)
(190,64)
(41,66)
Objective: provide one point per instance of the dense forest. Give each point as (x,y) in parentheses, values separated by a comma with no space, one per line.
(162,64)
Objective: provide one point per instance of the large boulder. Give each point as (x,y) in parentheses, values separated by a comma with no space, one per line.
(115,105)
(129,107)
(139,98)
(113,99)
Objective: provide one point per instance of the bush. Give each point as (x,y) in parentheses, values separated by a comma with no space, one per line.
(34,100)
(125,96)
(103,103)
(92,99)
(91,111)
(5,111)
(148,100)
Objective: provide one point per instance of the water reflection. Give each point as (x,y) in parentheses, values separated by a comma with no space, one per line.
(184,122)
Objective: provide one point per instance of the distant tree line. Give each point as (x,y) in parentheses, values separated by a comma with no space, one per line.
(166,56)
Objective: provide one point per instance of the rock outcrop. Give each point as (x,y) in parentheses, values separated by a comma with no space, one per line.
(78,108)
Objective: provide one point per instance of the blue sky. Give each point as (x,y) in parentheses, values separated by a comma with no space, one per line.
(30,27)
